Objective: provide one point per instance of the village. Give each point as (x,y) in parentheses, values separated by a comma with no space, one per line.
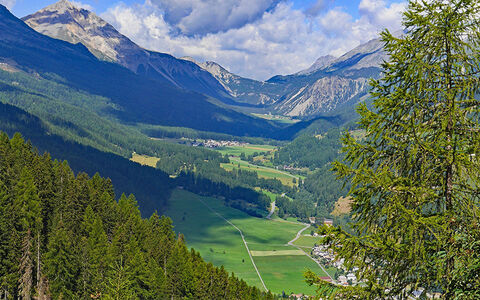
(218,144)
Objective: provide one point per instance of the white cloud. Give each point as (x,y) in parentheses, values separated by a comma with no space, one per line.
(281,40)
(8,3)
(316,8)
(82,5)
(211,16)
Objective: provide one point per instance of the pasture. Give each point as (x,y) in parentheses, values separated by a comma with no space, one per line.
(263,172)
(220,243)
(145,160)
(248,149)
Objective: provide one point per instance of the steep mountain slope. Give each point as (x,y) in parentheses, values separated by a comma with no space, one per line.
(323,89)
(243,90)
(327,85)
(133,98)
(320,63)
(64,21)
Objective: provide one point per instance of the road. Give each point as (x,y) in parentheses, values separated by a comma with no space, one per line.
(299,234)
(272,210)
(243,239)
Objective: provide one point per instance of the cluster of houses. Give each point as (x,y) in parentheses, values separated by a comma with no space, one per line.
(218,144)
(326,256)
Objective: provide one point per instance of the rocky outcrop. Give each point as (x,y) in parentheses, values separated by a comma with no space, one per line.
(324,95)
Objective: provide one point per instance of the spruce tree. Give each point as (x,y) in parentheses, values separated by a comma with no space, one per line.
(416,177)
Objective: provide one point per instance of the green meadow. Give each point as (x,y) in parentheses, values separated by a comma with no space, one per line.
(220,243)
(247,149)
(264,172)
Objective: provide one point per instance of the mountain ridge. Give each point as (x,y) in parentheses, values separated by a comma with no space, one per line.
(134,98)
(63,20)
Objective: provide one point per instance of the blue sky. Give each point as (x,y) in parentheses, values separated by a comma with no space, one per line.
(24,7)
(253,38)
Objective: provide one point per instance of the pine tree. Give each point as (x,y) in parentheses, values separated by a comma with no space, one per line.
(27,206)
(61,267)
(416,177)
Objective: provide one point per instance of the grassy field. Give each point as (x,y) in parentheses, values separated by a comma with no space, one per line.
(220,243)
(277,118)
(342,206)
(145,160)
(277,253)
(307,241)
(264,172)
(284,273)
(247,149)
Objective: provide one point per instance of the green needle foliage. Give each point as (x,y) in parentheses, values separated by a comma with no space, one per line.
(415,179)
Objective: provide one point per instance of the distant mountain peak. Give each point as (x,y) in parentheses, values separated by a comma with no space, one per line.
(320,63)
(62,4)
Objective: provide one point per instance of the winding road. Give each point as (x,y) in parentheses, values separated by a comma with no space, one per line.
(299,234)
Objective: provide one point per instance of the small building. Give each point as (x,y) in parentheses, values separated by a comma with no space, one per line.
(328,222)
(343,280)
(312,220)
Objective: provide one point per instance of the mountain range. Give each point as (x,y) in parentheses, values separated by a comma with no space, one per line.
(133,98)
(67,22)
(330,83)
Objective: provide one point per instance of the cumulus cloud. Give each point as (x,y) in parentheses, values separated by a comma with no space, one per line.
(316,8)
(8,3)
(82,5)
(253,38)
(193,17)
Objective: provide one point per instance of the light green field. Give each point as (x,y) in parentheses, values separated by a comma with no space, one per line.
(277,253)
(276,118)
(220,243)
(264,172)
(247,149)
(281,273)
(145,160)
(307,241)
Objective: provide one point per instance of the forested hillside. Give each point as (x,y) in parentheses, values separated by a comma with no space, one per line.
(150,186)
(64,236)
(310,151)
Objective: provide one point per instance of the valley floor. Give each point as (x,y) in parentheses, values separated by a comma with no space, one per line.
(211,228)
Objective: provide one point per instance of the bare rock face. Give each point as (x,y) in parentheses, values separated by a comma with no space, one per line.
(324,95)
(243,90)
(65,21)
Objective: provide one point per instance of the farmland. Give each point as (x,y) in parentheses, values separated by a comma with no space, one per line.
(200,219)
(264,172)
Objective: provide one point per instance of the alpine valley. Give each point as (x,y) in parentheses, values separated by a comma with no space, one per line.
(240,167)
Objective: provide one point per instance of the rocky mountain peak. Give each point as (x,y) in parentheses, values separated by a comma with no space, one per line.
(320,63)
(65,21)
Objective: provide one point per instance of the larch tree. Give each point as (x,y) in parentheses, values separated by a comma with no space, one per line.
(415,178)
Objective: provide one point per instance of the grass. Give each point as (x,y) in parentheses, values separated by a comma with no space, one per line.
(264,172)
(277,118)
(281,273)
(247,149)
(342,206)
(307,241)
(145,160)
(277,253)
(220,243)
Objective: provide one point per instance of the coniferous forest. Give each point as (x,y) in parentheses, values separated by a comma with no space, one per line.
(64,236)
